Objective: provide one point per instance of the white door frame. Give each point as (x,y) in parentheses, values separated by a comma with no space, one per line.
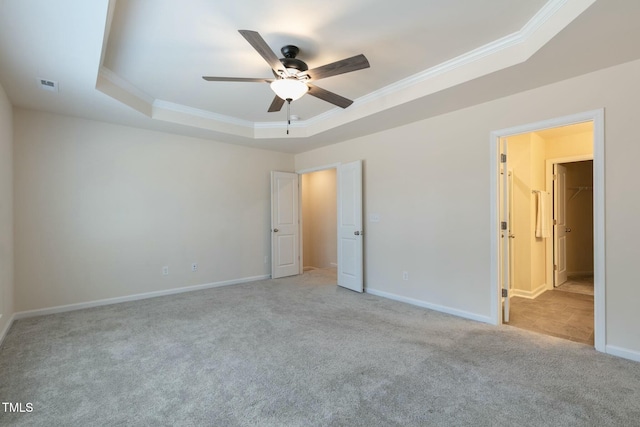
(549,184)
(506,250)
(597,117)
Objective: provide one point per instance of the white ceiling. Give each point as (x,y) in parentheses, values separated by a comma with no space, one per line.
(140,62)
(154,43)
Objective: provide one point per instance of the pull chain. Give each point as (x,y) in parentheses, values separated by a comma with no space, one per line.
(288,114)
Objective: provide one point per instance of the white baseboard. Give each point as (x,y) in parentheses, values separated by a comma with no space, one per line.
(529,294)
(623,352)
(109,301)
(6,328)
(430,306)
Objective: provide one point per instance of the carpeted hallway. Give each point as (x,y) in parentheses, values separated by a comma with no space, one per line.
(301,352)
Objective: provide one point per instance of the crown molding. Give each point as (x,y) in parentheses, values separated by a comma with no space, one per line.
(120,89)
(499,54)
(159,104)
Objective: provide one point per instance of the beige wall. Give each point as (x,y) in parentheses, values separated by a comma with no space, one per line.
(569,145)
(319,219)
(100,209)
(527,163)
(580,218)
(429,181)
(6,211)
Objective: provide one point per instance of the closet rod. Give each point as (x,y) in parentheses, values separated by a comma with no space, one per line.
(579,190)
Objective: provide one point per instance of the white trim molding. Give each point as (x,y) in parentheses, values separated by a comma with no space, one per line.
(4,332)
(430,306)
(135,297)
(623,352)
(528,294)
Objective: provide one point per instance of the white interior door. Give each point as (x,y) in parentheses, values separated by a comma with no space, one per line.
(350,260)
(560,224)
(285,229)
(505,252)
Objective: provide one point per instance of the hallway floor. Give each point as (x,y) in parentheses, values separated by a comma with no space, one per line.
(561,314)
(578,284)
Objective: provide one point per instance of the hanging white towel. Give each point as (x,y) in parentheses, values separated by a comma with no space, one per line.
(542,214)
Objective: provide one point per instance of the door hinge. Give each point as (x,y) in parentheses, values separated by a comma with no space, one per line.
(503,225)
(503,158)
(505,293)
(555,176)
(555,268)
(555,222)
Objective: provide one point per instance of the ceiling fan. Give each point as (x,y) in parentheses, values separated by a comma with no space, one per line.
(293,77)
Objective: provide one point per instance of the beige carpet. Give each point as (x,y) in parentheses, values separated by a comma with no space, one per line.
(302,352)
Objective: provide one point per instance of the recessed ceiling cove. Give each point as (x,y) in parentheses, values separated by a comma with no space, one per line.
(156,52)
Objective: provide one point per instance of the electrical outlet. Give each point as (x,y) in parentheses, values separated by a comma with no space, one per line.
(405,275)
(165,270)
(194,266)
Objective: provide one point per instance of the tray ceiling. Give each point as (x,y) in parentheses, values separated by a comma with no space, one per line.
(141,62)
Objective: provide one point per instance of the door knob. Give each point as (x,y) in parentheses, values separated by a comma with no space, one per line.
(567,229)
(357,233)
(275,230)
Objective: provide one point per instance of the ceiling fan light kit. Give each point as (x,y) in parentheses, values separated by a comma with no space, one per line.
(289,89)
(293,77)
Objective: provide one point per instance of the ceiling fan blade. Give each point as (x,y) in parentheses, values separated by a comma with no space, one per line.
(236,79)
(354,63)
(276,105)
(331,97)
(263,49)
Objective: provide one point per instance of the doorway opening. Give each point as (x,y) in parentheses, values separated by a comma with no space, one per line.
(549,229)
(573,226)
(287,226)
(318,202)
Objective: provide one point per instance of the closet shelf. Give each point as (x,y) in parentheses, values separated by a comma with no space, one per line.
(578,191)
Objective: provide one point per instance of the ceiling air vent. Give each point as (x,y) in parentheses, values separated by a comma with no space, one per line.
(49,85)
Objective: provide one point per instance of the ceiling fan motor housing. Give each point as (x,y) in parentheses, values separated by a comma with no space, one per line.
(289,61)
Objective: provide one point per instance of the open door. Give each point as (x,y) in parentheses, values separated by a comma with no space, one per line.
(505,226)
(560,228)
(285,229)
(350,259)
